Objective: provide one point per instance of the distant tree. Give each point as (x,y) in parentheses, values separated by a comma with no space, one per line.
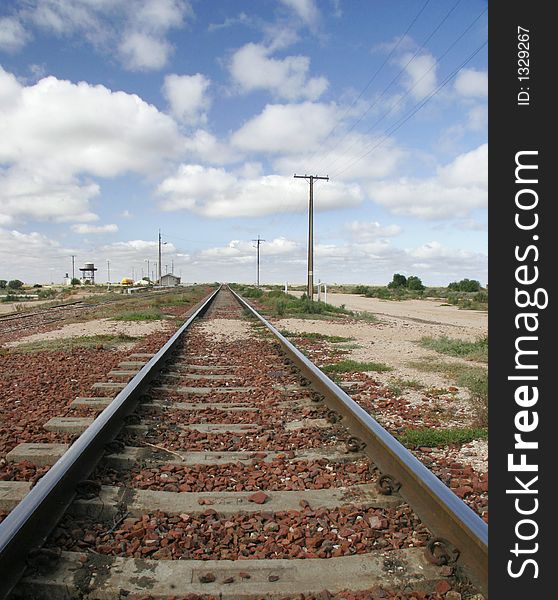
(465,285)
(414,283)
(398,281)
(3,284)
(15,284)
(75,281)
(37,285)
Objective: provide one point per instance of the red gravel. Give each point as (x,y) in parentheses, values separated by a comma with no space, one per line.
(172,438)
(470,486)
(280,474)
(309,533)
(21,471)
(36,387)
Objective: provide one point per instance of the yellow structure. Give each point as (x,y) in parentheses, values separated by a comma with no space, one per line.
(127,281)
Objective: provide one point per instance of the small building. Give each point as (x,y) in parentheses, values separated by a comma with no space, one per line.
(169,280)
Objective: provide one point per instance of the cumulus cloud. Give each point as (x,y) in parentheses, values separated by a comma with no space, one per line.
(306,10)
(205,147)
(472,83)
(187,97)
(137,30)
(372,261)
(286,128)
(454,192)
(143,52)
(13,35)
(253,68)
(29,195)
(54,134)
(28,247)
(370,230)
(420,74)
(84,229)
(344,156)
(215,192)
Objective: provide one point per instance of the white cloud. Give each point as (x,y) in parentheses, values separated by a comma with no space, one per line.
(84,229)
(286,128)
(26,194)
(160,15)
(469,169)
(472,83)
(205,147)
(28,247)
(372,261)
(306,10)
(454,192)
(420,74)
(143,52)
(55,133)
(217,193)
(367,231)
(187,97)
(138,30)
(344,157)
(239,251)
(13,35)
(252,68)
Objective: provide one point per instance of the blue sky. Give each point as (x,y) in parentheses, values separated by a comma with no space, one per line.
(121,117)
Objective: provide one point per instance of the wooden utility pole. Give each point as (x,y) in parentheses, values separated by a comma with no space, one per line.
(258,242)
(311,179)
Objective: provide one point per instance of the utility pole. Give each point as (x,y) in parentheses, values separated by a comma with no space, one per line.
(160,259)
(73,266)
(311,179)
(172,266)
(108,271)
(258,241)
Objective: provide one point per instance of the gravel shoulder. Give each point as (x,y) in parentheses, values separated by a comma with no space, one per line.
(393,341)
(95,327)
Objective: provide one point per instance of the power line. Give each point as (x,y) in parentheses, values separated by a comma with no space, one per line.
(384,91)
(371,80)
(398,124)
(402,98)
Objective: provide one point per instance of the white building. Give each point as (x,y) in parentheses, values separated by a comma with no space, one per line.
(169,280)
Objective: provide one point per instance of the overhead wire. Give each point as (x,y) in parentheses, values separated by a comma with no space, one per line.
(398,124)
(401,71)
(402,98)
(376,73)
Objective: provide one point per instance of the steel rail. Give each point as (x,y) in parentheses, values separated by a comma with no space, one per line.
(445,515)
(29,524)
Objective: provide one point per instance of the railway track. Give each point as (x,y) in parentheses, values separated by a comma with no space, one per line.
(229,466)
(54,314)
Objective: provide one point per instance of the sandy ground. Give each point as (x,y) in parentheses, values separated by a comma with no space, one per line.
(96,327)
(429,311)
(226,330)
(10,307)
(393,341)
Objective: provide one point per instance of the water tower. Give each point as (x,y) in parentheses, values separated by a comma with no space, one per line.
(88,273)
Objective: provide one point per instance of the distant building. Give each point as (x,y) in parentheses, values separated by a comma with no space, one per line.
(169,280)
